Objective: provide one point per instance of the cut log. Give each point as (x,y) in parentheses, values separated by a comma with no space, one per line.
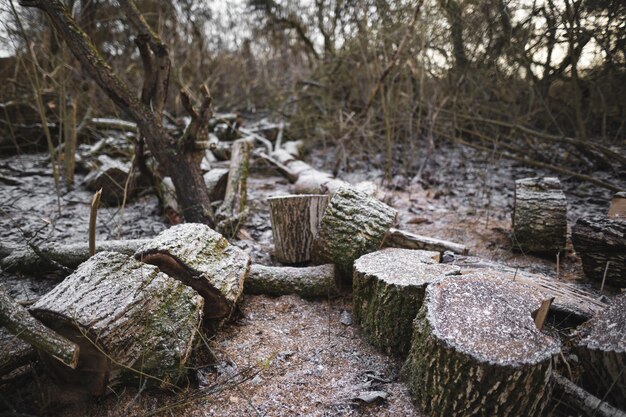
(601,244)
(477,352)
(539,216)
(14,353)
(130,320)
(353,225)
(203,259)
(111,176)
(400,239)
(388,288)
(602,353)
(216,180)
(307,282)
(617,210)
(295,222)
(574,396)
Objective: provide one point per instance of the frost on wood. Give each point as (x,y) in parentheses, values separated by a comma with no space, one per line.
(602,353)
(477,352)
(540,215)
(388,288)
(130,320)
(598,240)
(203,259)
(308,282)
(353,224)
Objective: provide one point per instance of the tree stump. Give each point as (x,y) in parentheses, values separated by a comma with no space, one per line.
(602,353)
(599,241)
(477,352)
(203,259)
(539,216)
(353,225)
(130,320)
(307,282)
(388,288)
(295,221)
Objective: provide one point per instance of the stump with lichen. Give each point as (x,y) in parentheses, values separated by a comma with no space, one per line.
(130,320)
(476,350)
(388,288)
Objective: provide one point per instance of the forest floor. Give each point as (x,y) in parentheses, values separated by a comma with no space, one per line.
(282,356)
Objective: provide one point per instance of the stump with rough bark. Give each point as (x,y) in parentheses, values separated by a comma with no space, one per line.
(602,353)
(308,282)
(353,224)
(476,350)
(203,259)
(295,221)
(601,244)
(388,288)
(539,216)
(130,320)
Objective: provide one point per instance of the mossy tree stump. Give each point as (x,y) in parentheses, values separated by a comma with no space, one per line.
(388,288)
(130,320)
(477,352)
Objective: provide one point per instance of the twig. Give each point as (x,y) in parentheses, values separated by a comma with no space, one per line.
(95,202)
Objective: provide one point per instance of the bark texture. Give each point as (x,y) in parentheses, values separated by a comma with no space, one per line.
(14,353)
(308,282)
(295,222)
(203,259)
(388,288)
(598,240)
(400,239)
(129,319)
(353,225)
(477,352)
(540,215)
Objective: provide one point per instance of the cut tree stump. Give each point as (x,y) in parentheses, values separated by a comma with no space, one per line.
(203,259)
(539,216)
(295,222)
(477,352)
(130,320)
(601,244)
(388,288)
(602,353)
(307,282)
(617,210)
(352,225)
(111,176)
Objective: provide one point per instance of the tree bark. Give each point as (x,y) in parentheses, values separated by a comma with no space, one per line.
(307,282)
(400,239)
(14,353)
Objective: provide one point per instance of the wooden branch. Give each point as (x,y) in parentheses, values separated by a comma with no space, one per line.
(589,404)
(396,238)
(95,202)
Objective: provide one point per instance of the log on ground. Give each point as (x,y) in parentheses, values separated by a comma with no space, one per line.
(112,176)
(579,399)
(401,239)
(307,282)
(14,353)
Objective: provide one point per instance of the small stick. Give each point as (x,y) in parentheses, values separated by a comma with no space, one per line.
(515,274)
(542,313)
(606,269)
(558,264)
(95,202)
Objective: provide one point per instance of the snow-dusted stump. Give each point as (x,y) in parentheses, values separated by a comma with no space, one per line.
(203,259)
(353,224)
(600,240)
(539,216)
(388,288)
(130,320)
(308,282)
(295,221)
(477,352)
(602,353)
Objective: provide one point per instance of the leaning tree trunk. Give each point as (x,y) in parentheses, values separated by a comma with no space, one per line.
(307,282)
(539,216)
(130,320)
(388,288)
(477,352)
(295,221)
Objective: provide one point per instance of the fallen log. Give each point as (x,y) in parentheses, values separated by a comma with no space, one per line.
(617,210)
(295,222)
(14,353)
(388,288)
(112,177)
(130,320)
(574,396)
(477,352)
(601,244)
(307,282)
(400,239)
(201,258)
(103,123)
(539,215)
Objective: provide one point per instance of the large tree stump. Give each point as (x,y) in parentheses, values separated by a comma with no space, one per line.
(307,282)
(353,224)
(601,244)
(130,320)
(295,221)
(477,352)
(388,288)
(203,259)
(602,353)
(539,216)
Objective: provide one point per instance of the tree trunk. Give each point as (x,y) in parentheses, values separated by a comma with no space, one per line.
(307,282)
(295,222)
(388,288)
(477,352)
(539,216)
(130,320)
(400,239)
